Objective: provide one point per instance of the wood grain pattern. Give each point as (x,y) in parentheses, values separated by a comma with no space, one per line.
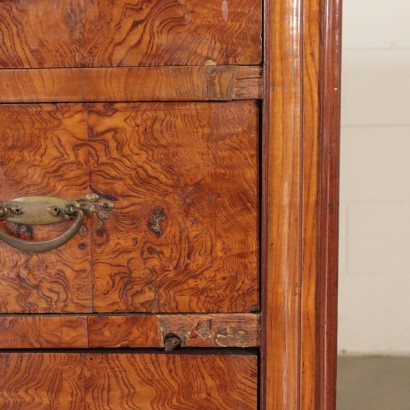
(310,207)
(33,381)
(171,32)
(282,207)
(249,83)
(41,85)
(110,33)
(39,34)
(73,381)
(124,331)
(188,83)
(149,381)
(330,96)
(300,193)
(183,237)
(131,84)
(217,330)
(233,330)
(184,231)
(136,331)
(42,332)
(44,152)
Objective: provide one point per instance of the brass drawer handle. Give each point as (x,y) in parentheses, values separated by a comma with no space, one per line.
(44,246)
(42,210)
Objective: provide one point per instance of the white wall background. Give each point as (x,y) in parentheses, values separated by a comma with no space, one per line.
(374,298)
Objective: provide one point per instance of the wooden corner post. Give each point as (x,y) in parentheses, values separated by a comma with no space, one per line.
(300,188)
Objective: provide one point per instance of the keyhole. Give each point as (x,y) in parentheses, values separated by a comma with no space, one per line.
(17,210)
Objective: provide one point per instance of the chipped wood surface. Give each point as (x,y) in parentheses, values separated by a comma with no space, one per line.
(131,84)
(248,83)
(218,330)
(211,206)
(130,331)
(212,330)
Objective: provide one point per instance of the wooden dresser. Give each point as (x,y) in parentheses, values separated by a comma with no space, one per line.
(169,204)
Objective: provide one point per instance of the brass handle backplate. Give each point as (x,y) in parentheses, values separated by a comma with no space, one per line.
(43,210)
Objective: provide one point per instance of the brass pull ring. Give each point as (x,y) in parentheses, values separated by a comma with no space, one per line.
(45,246)
(42,210)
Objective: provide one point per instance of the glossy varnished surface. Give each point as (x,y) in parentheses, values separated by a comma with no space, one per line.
(185,181)
(193,83)
(105,33)
(127,381)
(183,237)
(283,162)
(171,381)
(44,152)
(329,201)
(300,194)
(310,209)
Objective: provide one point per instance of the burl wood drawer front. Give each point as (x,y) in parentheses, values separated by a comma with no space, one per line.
(104,33)
(127,381)
(183,236)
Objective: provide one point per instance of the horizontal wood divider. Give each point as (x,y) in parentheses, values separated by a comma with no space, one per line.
(43,332)
(168,83)
(132,331)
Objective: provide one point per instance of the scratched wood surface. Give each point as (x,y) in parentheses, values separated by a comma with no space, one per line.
(199,330)
(217,330)
(44,152)
(193,83)
(184,234)
(60,381)
(136,331)
(188,83)
(105,33)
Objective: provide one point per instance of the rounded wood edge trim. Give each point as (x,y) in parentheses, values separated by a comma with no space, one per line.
(330,97)
(324,333)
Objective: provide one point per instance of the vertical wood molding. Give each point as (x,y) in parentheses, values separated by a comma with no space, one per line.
(300,203)
(330,93)
(283,131)
(310,206)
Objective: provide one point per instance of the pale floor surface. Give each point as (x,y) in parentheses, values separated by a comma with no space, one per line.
(373,383)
